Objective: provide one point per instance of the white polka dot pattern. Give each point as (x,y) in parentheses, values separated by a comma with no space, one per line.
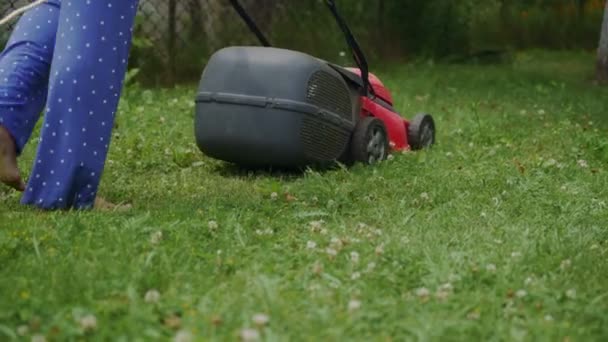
(67,58)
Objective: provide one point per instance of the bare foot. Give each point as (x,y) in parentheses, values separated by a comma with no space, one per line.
(9,171)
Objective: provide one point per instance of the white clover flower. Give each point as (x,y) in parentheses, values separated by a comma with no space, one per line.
(88,322)
(380,250)
(371,266)
(423,292)
(354,257)
(274,196)
(446,287)
(548,318)
(583,163)
(424,196)
(311,245)
(491,268)
(550,162)
(565,264)
(331,252)
(571,293)
(355,276)
(521,293)
(38,338)
(152,296)
(315,226)
(250,335)
(442,295)
(23,330)
(212,225)
(156,237)
(260,319)
(314,287)
(444,291)
(182,336)
(336,243)
(354,305)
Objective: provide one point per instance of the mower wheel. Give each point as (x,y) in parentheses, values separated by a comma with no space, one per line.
(369,143)
(421,132)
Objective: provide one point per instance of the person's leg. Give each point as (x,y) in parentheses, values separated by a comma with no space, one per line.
(87,73)
(24,71)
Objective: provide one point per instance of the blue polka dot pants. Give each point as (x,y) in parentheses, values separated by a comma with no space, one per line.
(66,59)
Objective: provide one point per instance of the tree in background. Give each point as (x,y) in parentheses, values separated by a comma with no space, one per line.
(602,51)
(389,30)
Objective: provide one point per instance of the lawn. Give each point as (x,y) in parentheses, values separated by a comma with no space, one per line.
(500,232)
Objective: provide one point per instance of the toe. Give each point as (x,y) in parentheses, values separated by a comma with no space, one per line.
(17,185)
(9,171)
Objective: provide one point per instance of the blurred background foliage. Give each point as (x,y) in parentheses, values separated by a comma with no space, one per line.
(174,38)
(389,30)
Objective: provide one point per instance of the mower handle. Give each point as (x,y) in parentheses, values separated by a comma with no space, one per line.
(356,51)
(249,21)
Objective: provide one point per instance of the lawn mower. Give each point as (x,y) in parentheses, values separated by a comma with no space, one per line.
(263,106)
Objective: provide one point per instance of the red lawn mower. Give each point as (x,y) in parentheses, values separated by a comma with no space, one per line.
(265,106)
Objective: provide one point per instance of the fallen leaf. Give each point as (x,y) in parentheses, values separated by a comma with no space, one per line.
(520,166)
(173,322)
(216,320)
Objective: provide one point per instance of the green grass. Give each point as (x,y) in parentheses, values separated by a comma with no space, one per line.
(504,223)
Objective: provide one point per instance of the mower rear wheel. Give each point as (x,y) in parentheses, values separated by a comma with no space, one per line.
(369,143)
(421,132)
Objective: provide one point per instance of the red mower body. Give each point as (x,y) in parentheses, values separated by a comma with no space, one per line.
(382,108)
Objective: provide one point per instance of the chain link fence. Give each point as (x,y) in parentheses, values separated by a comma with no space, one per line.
(174,38)
(166,31)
